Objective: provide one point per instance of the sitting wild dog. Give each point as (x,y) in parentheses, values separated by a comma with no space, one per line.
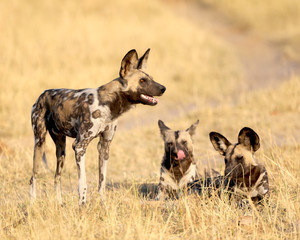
(245,175)
(178,166)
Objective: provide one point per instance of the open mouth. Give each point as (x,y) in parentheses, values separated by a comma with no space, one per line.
(149,99)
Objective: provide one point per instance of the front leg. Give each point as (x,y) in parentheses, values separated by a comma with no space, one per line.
(162,187)
(80,147)
(103,149)
(161,193)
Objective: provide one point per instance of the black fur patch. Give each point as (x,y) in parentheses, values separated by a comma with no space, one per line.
(176,135)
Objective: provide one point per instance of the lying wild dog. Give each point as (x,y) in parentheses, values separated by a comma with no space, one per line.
(243,174)
(86,114)
(210,185)
(178,166)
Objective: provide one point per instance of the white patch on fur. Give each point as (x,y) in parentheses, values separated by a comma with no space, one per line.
(254,193)
(109,134)
(87,91)
(255,162)
(255,190)
(259,189)
(169,179)
(222,145)
(259,179)
(99,124)
(74,121)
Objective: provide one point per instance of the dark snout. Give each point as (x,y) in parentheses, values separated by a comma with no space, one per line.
(162,89)
(148,90)
(159,89)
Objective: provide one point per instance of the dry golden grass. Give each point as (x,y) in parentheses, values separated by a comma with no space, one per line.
(78,44)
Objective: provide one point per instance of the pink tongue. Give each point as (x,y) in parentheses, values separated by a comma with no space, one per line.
(180,155)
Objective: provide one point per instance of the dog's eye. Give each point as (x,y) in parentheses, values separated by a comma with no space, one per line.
(184,142)
(142,80)
(239,158)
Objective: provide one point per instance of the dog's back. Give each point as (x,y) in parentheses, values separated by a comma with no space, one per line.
(63,109)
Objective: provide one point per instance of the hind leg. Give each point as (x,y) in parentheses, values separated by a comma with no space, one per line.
(60,143)
(39,148)
(40,131)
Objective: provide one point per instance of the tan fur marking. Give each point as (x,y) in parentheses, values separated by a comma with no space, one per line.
(185,136)
(96,114)
(240,150)
(169,136)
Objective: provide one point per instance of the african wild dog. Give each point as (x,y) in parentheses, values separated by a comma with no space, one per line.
(88,113)
(178,166)
(243,173)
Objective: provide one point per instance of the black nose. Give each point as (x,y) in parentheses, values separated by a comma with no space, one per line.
(163,89)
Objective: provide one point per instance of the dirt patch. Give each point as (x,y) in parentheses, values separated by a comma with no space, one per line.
(263,63)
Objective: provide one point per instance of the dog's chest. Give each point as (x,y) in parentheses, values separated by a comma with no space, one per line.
(169,180)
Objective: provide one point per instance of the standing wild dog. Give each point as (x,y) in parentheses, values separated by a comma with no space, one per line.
(178,166)
(88,113)
(246,176)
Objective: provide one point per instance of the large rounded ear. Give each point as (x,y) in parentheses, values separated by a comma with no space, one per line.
(163,128)
(129,62)
(142,64)
(219,142)
(192,129)
(249,139)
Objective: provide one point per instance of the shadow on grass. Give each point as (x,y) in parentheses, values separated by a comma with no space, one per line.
(144,190)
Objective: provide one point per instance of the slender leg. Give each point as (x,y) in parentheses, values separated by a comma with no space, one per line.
(39,146)
(80,149)
(60,155)
(103,149)
(162,189)
(160,193)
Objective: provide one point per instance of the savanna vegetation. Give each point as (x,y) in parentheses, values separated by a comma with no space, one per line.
(79,44)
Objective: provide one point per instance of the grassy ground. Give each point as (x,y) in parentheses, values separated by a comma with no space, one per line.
(76,44)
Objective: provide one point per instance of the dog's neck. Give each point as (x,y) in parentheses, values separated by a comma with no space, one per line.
(112,95)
